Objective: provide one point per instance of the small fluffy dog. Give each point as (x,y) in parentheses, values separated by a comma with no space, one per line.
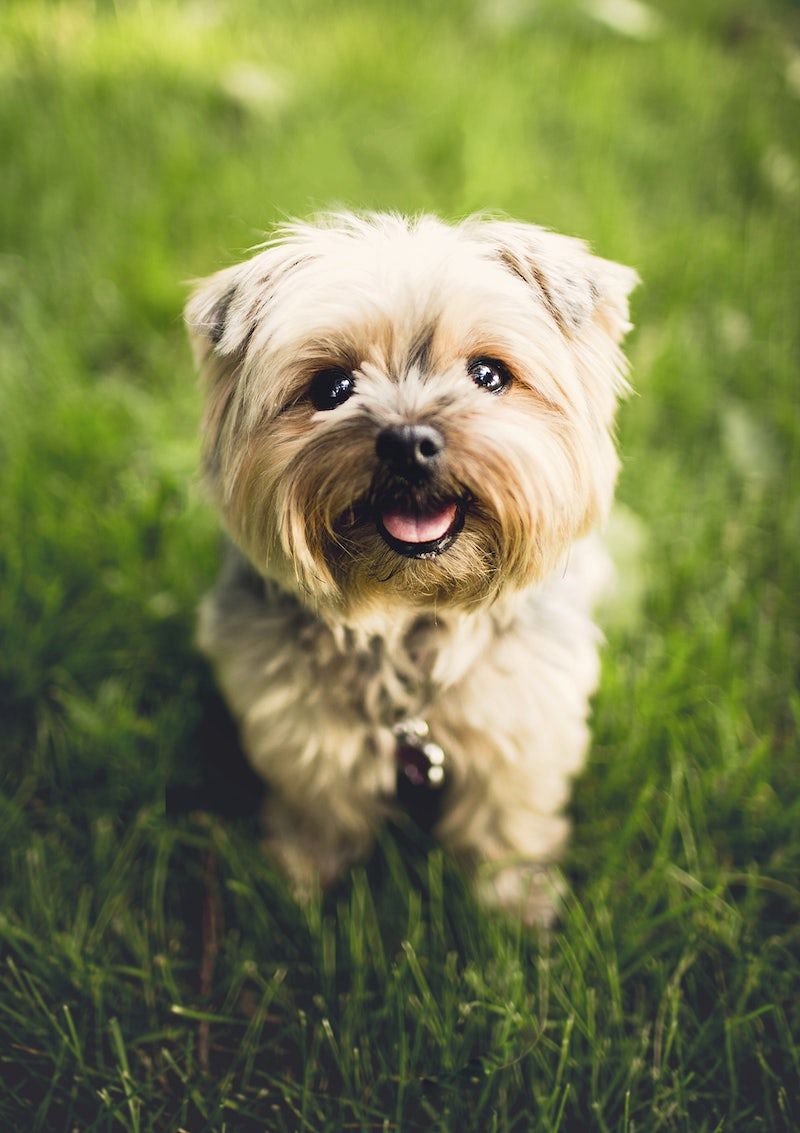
(409,436)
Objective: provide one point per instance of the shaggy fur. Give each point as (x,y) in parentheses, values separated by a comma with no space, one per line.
(321,634)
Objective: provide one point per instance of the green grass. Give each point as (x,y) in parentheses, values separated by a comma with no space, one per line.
(144,144)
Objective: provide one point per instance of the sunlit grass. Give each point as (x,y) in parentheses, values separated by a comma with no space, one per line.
(147,143)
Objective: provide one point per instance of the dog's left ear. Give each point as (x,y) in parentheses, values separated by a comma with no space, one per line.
(574,286)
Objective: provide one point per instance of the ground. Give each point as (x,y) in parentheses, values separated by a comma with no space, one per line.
(147,143)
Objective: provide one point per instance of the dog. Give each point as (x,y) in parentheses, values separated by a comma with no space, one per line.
(409,436)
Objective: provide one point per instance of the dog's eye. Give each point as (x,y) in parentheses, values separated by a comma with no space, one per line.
(330,388)
(489,374)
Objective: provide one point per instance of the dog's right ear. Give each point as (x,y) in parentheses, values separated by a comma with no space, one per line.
(216,315)
(220,318)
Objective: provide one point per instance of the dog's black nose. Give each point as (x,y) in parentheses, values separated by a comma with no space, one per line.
(409,448)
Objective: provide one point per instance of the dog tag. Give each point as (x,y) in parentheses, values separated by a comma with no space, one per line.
(420,771)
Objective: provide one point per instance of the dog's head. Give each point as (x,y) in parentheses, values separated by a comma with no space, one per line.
(407,412)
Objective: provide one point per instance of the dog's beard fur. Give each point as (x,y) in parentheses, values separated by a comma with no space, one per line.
(404,306)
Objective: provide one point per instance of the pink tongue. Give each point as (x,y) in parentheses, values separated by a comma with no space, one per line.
(416,527)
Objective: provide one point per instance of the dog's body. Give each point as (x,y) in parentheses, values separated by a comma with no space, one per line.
(409,436)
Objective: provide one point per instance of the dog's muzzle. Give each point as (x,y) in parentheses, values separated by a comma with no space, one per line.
(410,516)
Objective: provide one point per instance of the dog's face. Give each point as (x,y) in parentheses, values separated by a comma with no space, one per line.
(400,411)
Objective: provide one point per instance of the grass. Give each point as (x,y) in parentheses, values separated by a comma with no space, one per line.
(146,143)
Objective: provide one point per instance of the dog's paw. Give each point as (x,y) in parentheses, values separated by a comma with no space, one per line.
(308,865)
(529,891)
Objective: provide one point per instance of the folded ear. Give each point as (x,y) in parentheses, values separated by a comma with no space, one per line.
(214,314)
(574,285)
(220,319)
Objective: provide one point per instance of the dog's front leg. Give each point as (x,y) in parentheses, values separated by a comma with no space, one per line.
(509,833)
(316,845)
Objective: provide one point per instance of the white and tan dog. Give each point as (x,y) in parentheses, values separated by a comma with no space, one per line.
(409,436)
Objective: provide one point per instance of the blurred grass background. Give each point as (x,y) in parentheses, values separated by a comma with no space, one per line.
(145,143)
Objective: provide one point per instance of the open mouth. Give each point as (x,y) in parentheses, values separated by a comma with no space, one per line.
(421,533)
